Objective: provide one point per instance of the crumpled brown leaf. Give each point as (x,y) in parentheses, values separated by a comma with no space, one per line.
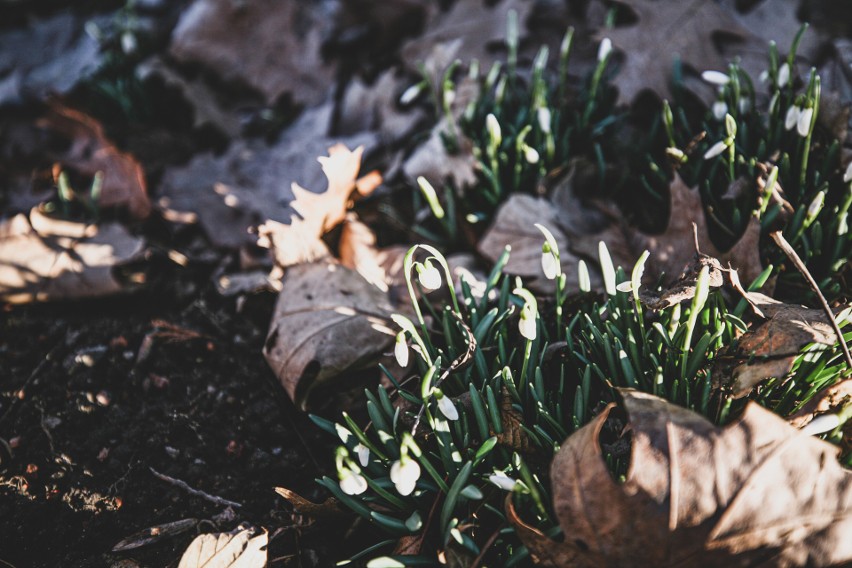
(328,509)
(328,321)
(42,258)
(664,31)
(91,152)
(753,493)
(374,107)
(49,57)
(768,349)
(272,46)
(250,183)
(238,549)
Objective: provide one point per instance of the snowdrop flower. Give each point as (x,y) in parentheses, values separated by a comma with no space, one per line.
(530,154)
(404,473)
(792,117)
(527,325)
(493,128)
(783,75)
(821,424)
(502,481)
(352,483)
(847,176)
(543,116)
(716,78)
(716,149)
(604,48)
(411,94)
(625,286)
(446,406)
(815,207)
(720,109)
(803,125)
(764,76)
(428,275)
(431,197)
(585,281)
(363,454)
(744,105)
(449,97)
(129,45)
(549,262)
(400,350)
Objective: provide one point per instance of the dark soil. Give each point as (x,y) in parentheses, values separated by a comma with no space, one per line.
(87,409)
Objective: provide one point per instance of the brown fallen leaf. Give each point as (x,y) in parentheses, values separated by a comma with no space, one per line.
(299,241)
(514,225)
(237,549)
(828,400)
(274,47)
(432,161)
(665,31)
(91,152)
(513,435)
(328,321)
(543,550)
(47,259)
(251,182)
(769,349)
(328,509)
(756,492)
(154,534)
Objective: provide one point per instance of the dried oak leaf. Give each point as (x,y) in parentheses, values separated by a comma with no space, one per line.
(665,31)
(299,241)
(250,183)
(543,550)
(754,493)
(328,509)
(768,349)
(432,161)
(328,320)
(272,46)
(470,29)
(47,259)
(514,225)
(238,549)
(91,152)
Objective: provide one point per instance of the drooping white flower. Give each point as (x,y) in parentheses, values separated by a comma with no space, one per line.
(493,127)
(821,424)
(716,78)
(502,481)
(764,76)
(429,276)
(783,75)
(625,286)
(352,483)
(530,154)
(447,408)
(363,454)
(400,350)
(527,325)
(410,94)
(404,473)
(792,117)
(604,48)
(815,206)
(720,109)
(803,125)
(716,149)
(549,262)
(847,176)
(129,45)
(585,281)
(543,116)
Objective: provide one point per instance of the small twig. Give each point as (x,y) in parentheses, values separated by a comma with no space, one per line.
(797,262)
(48,360)
(197,492)
(478,560)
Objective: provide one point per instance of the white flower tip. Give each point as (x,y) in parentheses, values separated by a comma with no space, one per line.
(549,265)
(544,118)
(363,454)
(604,48)
(502,481)
(715,150)
(715,77)
(527,325)
(352,483)
(821,424)
(429,276)
(783,75)
(405,475)
(625,286)
(792,117)
(447,408)
(410,94)
(720,109)
(400,350)
(847,176)
(803,125)
(531,154)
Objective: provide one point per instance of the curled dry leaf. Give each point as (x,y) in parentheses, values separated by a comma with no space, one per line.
(328,509)
(91,152)
(769,349)
(237,39)
(238,549)
(47,259)
(513,435)
(663,32)
(756,492)
(250,183)
(432,161)
(320,212)
(828,400)
(328,321)
(543,550)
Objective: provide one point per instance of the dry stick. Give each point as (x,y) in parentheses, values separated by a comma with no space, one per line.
(197,492)
(797,262)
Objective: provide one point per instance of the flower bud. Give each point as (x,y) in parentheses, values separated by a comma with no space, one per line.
(493,127)
(720,109)
(716,149)
(400,350)
(543,116)
(604,48)
(429,276)
(716,78)
(792,117)
(803,125)
(783,75)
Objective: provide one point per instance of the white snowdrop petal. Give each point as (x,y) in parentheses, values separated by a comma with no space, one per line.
(531,155)
(821,424)
(429,277)
(783,75)
(405,475)
(526,325)
(410,94)
(791,118)
(604,48)
(493,127)
(363,454)
(715,77)
(847,176)
(400,351)
(447,408)
(549,265)
(544,118)
(502,481)
(720,109)
(804,123)
(715,149)
(353,483)
(625,286)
